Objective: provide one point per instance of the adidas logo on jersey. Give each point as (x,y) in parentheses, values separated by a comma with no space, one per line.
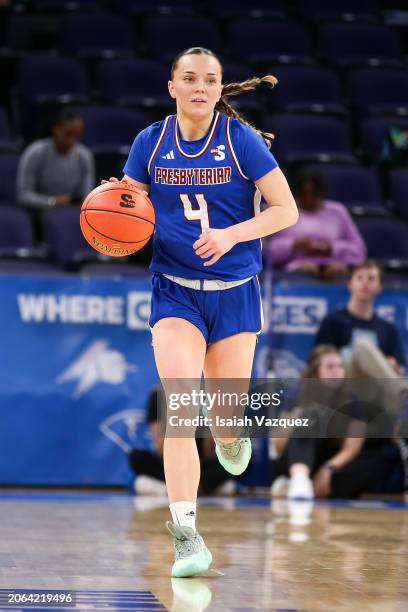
(168,155)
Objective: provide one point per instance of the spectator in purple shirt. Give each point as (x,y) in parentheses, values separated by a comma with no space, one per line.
(324,242)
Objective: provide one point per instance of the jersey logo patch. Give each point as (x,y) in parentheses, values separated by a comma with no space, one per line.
(169,155)
(218,152)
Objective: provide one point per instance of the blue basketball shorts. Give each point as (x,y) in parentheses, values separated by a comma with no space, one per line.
(217,314)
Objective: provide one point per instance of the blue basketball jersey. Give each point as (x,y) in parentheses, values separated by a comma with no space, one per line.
(195,185)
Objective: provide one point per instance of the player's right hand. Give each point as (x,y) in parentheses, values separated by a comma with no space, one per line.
(112,179)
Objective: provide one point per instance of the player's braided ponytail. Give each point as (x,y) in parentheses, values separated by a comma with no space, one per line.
(232,89)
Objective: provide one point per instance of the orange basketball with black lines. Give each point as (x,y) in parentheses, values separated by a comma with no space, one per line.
(117,219)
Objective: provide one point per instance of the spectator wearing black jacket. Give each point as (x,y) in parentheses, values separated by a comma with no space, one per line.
(370,345)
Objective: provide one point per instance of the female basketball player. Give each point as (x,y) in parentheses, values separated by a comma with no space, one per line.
(205,169)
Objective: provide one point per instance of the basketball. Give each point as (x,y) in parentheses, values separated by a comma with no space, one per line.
(117,219)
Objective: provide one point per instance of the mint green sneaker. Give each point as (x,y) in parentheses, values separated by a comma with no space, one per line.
(234,456)
(191,556)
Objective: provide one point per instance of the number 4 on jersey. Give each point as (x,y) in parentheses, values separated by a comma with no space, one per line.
(197,214)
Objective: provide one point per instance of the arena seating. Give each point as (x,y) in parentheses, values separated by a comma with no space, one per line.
(185,31)
(374,131)
(318,10)
(100,35)
(62,233)
(266,40)
(108,128)
(119,82)
(8,174)
(306,89)
(305,138)
(354,185)
(343,85)
(45,81)
(346,44)
(385,238)
(382,90)
(15,230)
(399,190)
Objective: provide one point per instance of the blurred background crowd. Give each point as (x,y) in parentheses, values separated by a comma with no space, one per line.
(91,74)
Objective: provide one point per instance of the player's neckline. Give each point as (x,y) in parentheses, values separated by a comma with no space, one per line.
(206,143)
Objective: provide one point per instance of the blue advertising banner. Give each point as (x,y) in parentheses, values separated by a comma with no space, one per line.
(76,370)
(294,312)
(77,367)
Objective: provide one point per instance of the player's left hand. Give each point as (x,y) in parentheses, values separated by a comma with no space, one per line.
(213,243)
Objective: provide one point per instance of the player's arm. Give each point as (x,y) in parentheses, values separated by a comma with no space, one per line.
(282,211)
(142,186)
(128,179)
(136,164)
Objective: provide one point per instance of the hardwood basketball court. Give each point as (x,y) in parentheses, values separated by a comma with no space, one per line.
(113,550)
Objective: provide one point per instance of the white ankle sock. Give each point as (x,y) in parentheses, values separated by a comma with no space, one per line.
(184,513)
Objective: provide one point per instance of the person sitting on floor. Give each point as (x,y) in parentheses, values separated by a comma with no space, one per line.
(333,465)
(148,466)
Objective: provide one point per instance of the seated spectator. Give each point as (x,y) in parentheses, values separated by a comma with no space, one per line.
(324,242)
(371,346)
(56,171)
(149,468)
(330,466)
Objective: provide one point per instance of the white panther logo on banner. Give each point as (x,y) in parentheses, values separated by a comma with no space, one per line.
(122,427)
(97,364)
